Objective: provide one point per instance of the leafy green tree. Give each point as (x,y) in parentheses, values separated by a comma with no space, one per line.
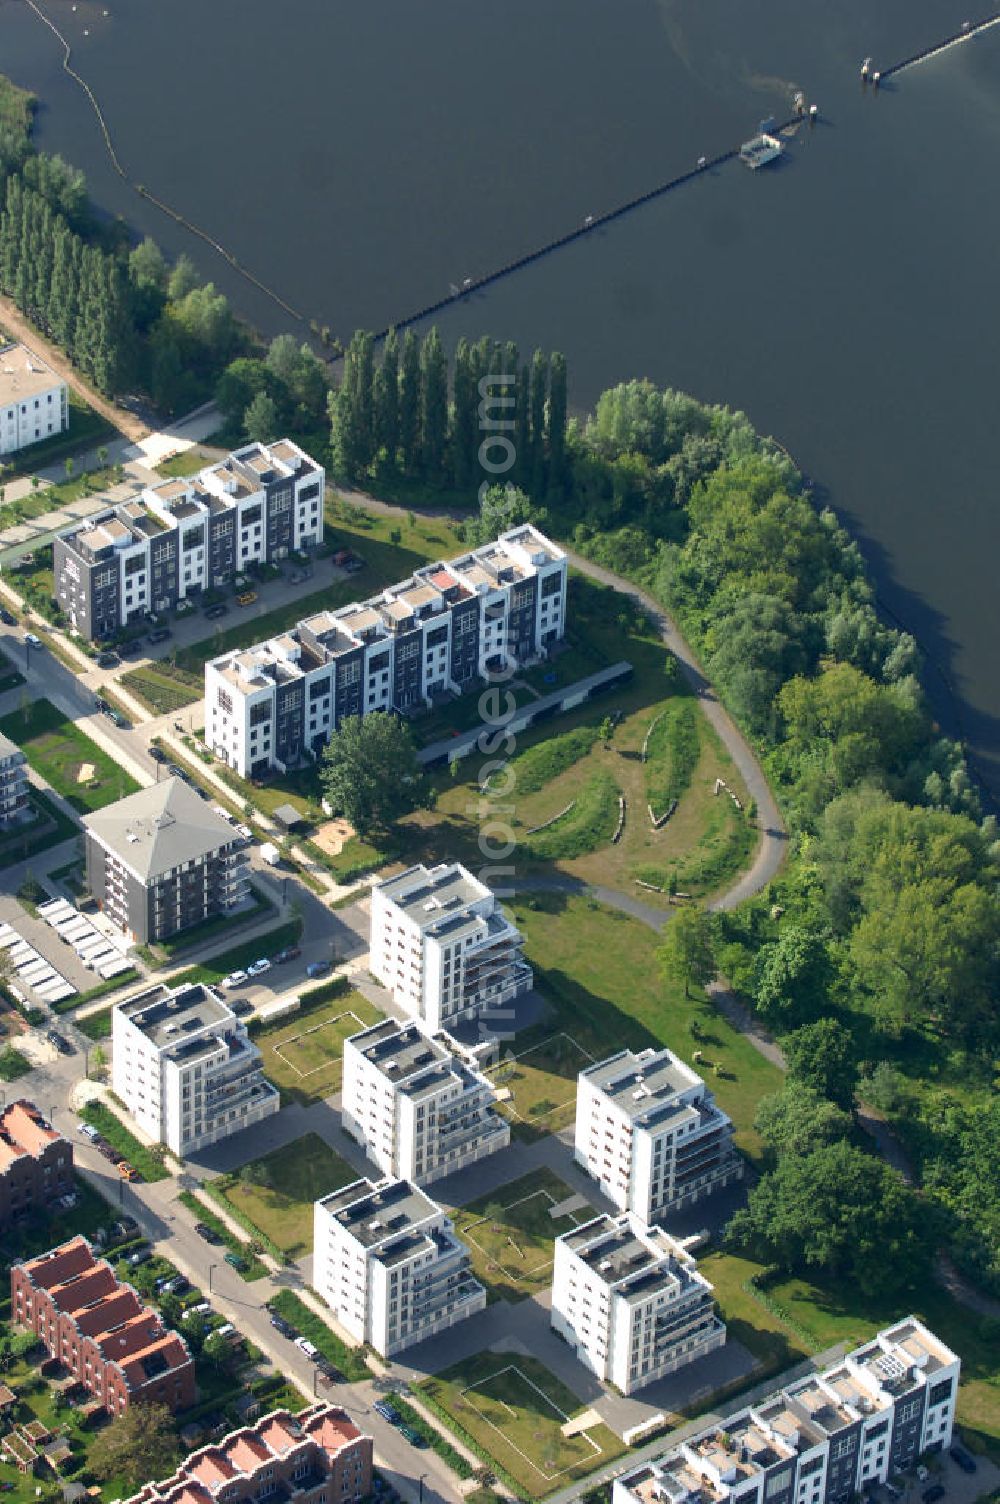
(386,402)
(687,954)
(434,405)
(370,772)
(465,424)
(821,1056)
(242,380)
(409,402)
(793,975)
(797,1120)
(147,267)
(840,1213)
(539,390)
(556,424)
(260,421)
(351,408)
(182,279)
(500,507)
(137,1445)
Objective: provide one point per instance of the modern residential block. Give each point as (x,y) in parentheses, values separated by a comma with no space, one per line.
(415,1106)
(34,401)
(631,1302)
(161,861)
(185,1067)
(13,783)
(36,1162)
(824,1440)
(648,1130)
(440,632)
(183,536)
(100,1330)
(387,1261)
(315,1457)
(443,946)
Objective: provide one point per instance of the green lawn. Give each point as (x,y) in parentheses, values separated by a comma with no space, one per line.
(514,1408)
(348,1359)
(598,968)
(46,1229)
(49,828)
(66,757)
(13,1064)
(511,1232)
(280,1202)
(163,689)
(541,1080)
(121,1138)
(302,1053)
(183,464)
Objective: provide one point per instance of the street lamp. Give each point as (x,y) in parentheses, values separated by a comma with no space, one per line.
(420,1480)
(211,1267)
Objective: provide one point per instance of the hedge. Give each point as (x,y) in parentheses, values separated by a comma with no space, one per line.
(348,1359)
(438,1443)
(469,1442)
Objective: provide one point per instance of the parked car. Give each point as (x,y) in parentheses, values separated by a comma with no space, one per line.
(179,1285)
(130,649)
(214,612)
(141,1256)
(7,617)
(119,720)
(258,968)
(225,1330)
(125,1227)
(317,968)
(932,1494)
(893,1490)
(157,754)
(288,954)
(127,1171)
(208,1233)
(388,1412)
(89,1131)
(60,1042)
(236,1260)
(354,564)
(281,1325)
(923,1474)
(963,1459)
(247,598)
(309,1348)
(329,1370)
(235,979)
(200,1308)
(241,1006)
(174,770)
(33,640)
(108,660)
(413,1437)
(160,635)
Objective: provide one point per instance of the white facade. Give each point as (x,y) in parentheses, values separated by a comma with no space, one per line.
(34,402)
(13,782)
(631,1302)
(826,1439)
(185,1068)
(442,945)
(388,1263)
(417,1109)
(648,1130)
(439,632)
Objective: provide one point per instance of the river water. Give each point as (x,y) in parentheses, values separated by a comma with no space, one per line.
(360,156)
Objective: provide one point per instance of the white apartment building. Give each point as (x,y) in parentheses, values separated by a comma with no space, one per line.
(442,945)
(648,1130)
(631,1301)
(34,401)
(438,633)
(183,536)
(824,1440)
(388,1263)
(415,1106)
(185,1068)
(14,804)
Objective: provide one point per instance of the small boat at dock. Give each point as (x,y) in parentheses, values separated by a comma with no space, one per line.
(761,149)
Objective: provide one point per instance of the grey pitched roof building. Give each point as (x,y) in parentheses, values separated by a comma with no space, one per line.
(161,861)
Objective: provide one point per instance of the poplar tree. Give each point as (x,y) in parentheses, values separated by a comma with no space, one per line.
(434,405)
(409,402)
(386,401)
(465,422)
(539,387)
(556,427)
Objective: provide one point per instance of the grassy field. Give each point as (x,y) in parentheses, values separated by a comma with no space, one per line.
(162,688)
(515,1409)
(66,757)
(279,1200)
(598,968)
(511,1231)
(303,1053)
(185,463)
(541,1079)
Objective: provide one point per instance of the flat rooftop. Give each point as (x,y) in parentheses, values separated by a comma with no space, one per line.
(375,1212)
(430,895)
(643,1084)
(418,1065)
(24,374)
(634,1261)
(168,1018)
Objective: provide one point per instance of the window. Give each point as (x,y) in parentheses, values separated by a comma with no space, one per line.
(250,516)
(260,713)
(439,635)
(225,701)
(941,1392)
(135,565)
(280,501)
(194,537)
(308,492)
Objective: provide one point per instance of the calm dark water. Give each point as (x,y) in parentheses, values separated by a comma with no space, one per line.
(361,155)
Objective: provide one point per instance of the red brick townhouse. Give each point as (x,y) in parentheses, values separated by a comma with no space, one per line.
(36,1162)
(99,1329)
(316,1457)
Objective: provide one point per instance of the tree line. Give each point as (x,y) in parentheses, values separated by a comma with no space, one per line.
(413,414)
